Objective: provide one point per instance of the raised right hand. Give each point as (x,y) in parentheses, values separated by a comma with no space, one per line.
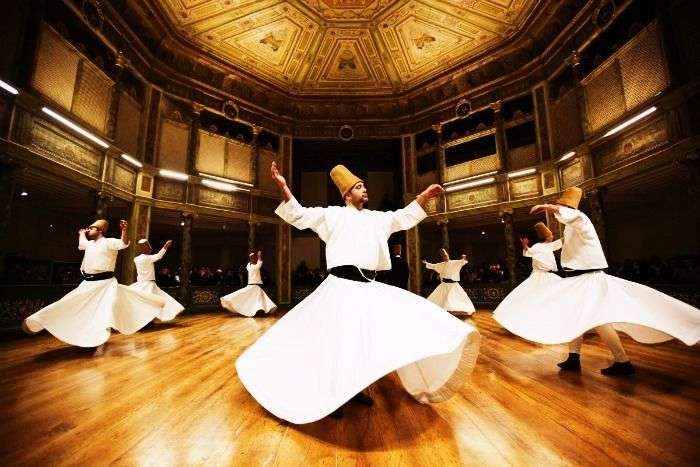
(277,176)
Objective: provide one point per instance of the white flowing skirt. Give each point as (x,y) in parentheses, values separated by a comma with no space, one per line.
(563,309)
(248,301)
(85,316)
(172,307)
(450,296)
(346,335)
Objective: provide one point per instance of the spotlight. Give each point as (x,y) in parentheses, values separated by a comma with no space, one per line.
(483,233)
(173,174)
(632,120)
(24,193)
(8,88)
(133,161)
(483,181)
(74,127)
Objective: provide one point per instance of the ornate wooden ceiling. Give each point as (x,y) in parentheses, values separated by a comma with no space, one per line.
(368,47)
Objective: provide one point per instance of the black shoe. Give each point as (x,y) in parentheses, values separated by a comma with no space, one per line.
(619,369)
(573,363)
(362,398)
(338,413)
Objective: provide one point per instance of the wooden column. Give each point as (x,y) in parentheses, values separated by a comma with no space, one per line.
(255,155)
(509,234)
(116,96)
(284,232)
(186,258)
(444,234)
(501,151)
(193,140)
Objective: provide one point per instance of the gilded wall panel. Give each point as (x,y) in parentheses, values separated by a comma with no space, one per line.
(572,173)
(620,150)
(525,187)
(471,168)
(265,159)
(172,145)
(605,97)
(123,177)
(232,200)
(237,164)
(126,135)
(643,66)
(93,94)
(56,68)
(565,121)
(472,198)
(169,190)
(522,157)
(211,153)
(63,148)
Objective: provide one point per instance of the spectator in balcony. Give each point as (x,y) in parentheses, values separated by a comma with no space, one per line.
(146,279)
(449,295)
(588,298)
(252,298)
(352,330)
(86,315)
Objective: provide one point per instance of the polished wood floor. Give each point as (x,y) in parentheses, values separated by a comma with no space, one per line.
(169,395)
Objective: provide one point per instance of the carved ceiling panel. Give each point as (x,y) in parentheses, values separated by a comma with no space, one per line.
(368,47)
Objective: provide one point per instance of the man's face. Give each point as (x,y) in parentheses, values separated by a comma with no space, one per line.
(145,248)
(93,233)
(253,259)
(357,194)
(396,250)
(444,255)
(549,238)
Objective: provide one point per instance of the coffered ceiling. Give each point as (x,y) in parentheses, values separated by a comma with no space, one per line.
(323,47)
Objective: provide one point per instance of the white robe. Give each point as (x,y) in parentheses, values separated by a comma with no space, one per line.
(450,296)
(146,282)
(85,316)
(566,309)
(347,334)
(509,313)
(251,298)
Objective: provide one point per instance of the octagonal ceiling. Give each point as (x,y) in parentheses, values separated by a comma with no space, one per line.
(368,47)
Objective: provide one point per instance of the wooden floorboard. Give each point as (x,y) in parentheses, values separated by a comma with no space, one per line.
(169,395)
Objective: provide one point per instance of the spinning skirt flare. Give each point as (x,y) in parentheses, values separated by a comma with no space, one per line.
(172,307)
(85,316)
(450,296)
(565,309)
(346,335)
(248,301)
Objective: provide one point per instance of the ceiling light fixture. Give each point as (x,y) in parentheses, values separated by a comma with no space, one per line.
(461,186)
(8,88)
(75,127)
(630,121)
(566,156)
(520,173)
(132,160)
(453,182)
(173,174)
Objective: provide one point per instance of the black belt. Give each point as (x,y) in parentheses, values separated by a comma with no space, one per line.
(578,272)
(353,273)
(97,276)
(448,281)
(255,283)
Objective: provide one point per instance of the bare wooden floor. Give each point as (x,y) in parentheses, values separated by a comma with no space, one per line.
(169,395)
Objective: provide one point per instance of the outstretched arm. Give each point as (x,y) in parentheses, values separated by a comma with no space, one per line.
(280,181)
(431,192)
(158,256)
(82,240)
(124,226)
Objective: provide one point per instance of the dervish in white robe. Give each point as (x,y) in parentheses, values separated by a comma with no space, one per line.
(449,295)
(87,314)
(251,298)
(588,298)
(544,268)
(352,330)
(146,279)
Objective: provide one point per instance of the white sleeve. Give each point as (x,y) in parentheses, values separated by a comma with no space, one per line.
(554,246)
(158,256)
(116,244)
(403,219)
(535,249)
(578,221)
(430,266)
(82,242)
(304,218)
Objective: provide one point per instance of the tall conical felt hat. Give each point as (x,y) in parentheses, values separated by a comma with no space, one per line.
(571,197)
(343,178)
(542,230)
(101,224)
